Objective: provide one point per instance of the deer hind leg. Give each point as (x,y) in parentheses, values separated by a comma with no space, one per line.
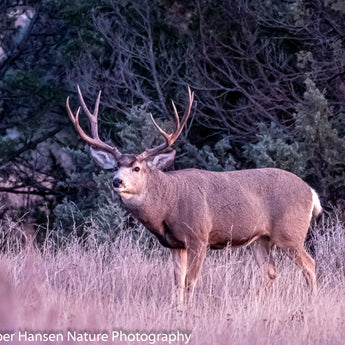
(305,262)
(196,257)
(179,257)
(262,253)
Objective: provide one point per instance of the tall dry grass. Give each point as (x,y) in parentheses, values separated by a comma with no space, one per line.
(128,285)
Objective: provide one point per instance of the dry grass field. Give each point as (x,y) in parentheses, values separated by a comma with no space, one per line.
(127,286)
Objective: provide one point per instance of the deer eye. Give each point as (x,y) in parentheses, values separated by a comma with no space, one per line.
(136,169)
(116,169)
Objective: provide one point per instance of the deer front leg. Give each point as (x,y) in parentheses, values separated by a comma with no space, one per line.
(179,257)
(195,259)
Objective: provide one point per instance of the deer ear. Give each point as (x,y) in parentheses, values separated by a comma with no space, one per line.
(162,161)
(103,159)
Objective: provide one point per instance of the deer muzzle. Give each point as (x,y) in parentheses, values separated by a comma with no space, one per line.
(117,182)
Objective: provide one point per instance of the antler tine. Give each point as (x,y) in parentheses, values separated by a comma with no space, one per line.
(177,119)
(69,111)
(160,130)
(92,117)
(75,120)
(82,102)
(169,138)
(185,116)
(94,140)
(95,111)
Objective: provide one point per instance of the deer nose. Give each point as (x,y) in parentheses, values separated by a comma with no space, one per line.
(117,182)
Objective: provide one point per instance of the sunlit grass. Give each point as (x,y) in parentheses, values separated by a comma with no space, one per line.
(127,285)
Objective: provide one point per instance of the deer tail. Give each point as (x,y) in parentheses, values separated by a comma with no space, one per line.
(317,209)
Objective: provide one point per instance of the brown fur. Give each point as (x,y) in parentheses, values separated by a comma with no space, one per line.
(191,210)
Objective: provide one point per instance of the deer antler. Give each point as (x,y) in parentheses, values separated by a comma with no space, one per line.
(169,138)
(94,141)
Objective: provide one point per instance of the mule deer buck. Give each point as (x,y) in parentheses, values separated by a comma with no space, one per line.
(192,210)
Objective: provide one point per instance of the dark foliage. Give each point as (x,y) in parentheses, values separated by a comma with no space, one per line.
(269,79)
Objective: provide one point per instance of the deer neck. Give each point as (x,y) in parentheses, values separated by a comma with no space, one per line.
(157,197)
